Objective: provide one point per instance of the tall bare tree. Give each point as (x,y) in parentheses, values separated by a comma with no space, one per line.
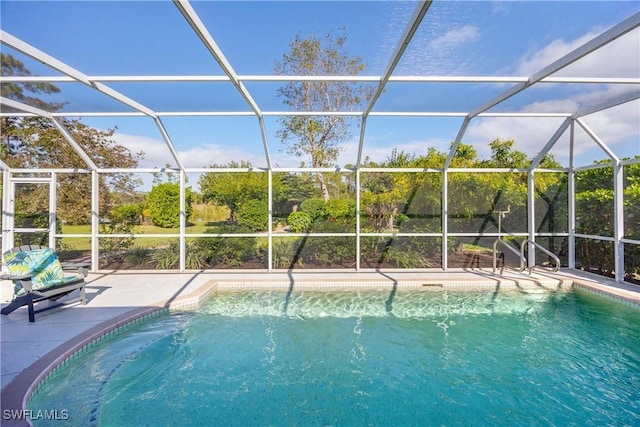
(319,137)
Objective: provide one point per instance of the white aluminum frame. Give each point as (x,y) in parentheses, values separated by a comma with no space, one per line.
(519,84)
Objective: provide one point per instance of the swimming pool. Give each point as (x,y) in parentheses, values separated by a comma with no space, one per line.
(392,357)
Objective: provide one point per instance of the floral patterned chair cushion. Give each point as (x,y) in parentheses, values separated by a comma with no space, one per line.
(42,265)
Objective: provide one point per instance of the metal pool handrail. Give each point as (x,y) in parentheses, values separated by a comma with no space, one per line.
(523,261)
(543,249)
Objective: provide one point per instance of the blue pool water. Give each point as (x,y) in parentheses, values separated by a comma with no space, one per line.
(358,358)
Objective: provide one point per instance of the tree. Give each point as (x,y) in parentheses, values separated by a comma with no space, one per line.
(14,67)
(164,204)
(234,189)
(504,156)
(35,142)
(319,136)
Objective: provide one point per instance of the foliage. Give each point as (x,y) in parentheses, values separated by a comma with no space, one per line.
(594,202)
(113,249)
(121,221)
(403,258)
(552,202)
(504,156)
(235,251)
(230,251)
(335,251)
(20,91)
(138,255)
(167,257)
(390,201)
(128,213)
(36,142)
(233,189)
(164,204)
(318,137)
(296,187)
(197,255)
(386,195)
(314,207)
(299,222)
(341,208)
(283,252)
(166,175)
(401,252)
(253,214)
(209,213)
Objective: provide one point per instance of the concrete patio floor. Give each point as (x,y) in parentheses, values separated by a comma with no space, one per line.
(117,296)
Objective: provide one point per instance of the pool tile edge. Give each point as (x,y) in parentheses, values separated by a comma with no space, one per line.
(15,396)
(17,393)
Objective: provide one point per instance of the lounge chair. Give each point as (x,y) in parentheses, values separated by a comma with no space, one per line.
(38,275)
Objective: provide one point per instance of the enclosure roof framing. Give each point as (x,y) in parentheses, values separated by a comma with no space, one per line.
(56,122)
(54,63)
(494,103)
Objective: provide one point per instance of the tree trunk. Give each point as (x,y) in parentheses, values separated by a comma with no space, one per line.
(323,187)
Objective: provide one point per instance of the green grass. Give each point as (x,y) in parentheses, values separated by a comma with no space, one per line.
(82,243)
(475,248)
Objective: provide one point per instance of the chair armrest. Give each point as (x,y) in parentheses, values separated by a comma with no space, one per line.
(16,276)
(25,280)
(81,267)
(74,265)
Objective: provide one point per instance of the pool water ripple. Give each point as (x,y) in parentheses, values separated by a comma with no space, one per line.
(341,358)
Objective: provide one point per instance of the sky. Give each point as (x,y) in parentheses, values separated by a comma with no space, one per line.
(456,38)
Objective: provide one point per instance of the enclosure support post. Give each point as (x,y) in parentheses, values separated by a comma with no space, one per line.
(618,220)
(571,184)
(445,216)
(270,221)
(358,189)
(183,221)
(53,209)
(95,220)
(8,211)
(531,256)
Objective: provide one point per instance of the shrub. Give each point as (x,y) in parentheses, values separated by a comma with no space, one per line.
(234,251)
(340,208)
(230,251)
(138,255)
(197,256)
(253,214)
(331,251)
(315,207)
(168,257)
(332,225)
(114,248)
(129,214)
(299,222)
(283,251)
(164,204)
(403,258)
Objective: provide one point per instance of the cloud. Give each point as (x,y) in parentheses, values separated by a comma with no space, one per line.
(432,52)
(454,38)
(617,127)
(379,153)
(619,58)
(157,154)
(209,154)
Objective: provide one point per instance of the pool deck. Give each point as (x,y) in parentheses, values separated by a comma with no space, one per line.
(29,350)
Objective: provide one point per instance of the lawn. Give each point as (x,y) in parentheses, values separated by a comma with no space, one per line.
(83,243)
